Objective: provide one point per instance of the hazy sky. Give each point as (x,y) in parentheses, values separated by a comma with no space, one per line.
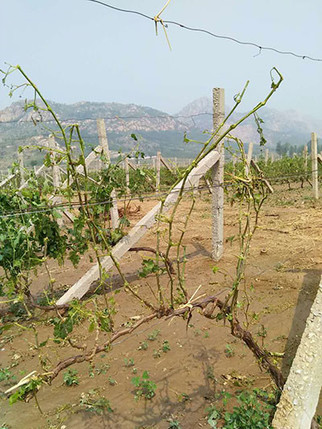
(76,50)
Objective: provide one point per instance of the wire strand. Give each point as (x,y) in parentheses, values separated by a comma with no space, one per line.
(115,117)
(144,197)
(210,33)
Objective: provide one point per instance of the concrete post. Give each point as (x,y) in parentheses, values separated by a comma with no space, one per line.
(21,168)
(55,167)
(158,167)
(314,154)
(305,151)
(127,176)
(249,158)
(266,156)
(301,392)
(104,144)
(218,179)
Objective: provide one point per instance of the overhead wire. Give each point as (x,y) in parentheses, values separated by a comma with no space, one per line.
(166,22)
(114,117)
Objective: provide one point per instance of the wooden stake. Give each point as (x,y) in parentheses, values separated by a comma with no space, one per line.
(218,179)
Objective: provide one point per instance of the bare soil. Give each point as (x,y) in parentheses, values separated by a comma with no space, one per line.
(283,273)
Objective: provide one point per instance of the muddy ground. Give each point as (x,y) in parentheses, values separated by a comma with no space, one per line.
(283,273)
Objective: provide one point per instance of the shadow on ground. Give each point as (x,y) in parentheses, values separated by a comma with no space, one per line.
(305,300)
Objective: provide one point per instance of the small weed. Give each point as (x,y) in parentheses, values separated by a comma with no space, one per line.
(102,369)
(144,387)
(174,424)
(279,267)
(129,362)
(95,403)
(206,334)
(280,338)
(229,351)
(91,372)
(6,375)
(111,381)
(210,373)
(71,378)
(153,335)
(183,397)
(262,332)
(156,353)
(99,370)
(253,411)
(165,346)
(134,371)
(143,346)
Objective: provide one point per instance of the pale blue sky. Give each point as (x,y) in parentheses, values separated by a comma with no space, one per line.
(76,50)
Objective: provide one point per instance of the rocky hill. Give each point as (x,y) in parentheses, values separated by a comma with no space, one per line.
(284,126)
(156,130)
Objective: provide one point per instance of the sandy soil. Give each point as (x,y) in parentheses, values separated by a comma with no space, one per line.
(284,269)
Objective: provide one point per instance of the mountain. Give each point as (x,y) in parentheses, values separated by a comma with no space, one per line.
(284,126)
(154,129)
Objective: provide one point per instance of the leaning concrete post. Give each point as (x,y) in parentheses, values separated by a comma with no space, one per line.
(104,144)
(21,168)
(158,167)
(301,391)
(314,154)
(249,158)
(218,179)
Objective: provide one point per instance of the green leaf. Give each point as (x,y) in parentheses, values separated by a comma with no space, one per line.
(91,326)
(215,269)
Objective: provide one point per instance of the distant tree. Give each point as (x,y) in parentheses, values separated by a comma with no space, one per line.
(279,148)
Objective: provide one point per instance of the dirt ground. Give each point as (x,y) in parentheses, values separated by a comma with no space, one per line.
(284,270)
